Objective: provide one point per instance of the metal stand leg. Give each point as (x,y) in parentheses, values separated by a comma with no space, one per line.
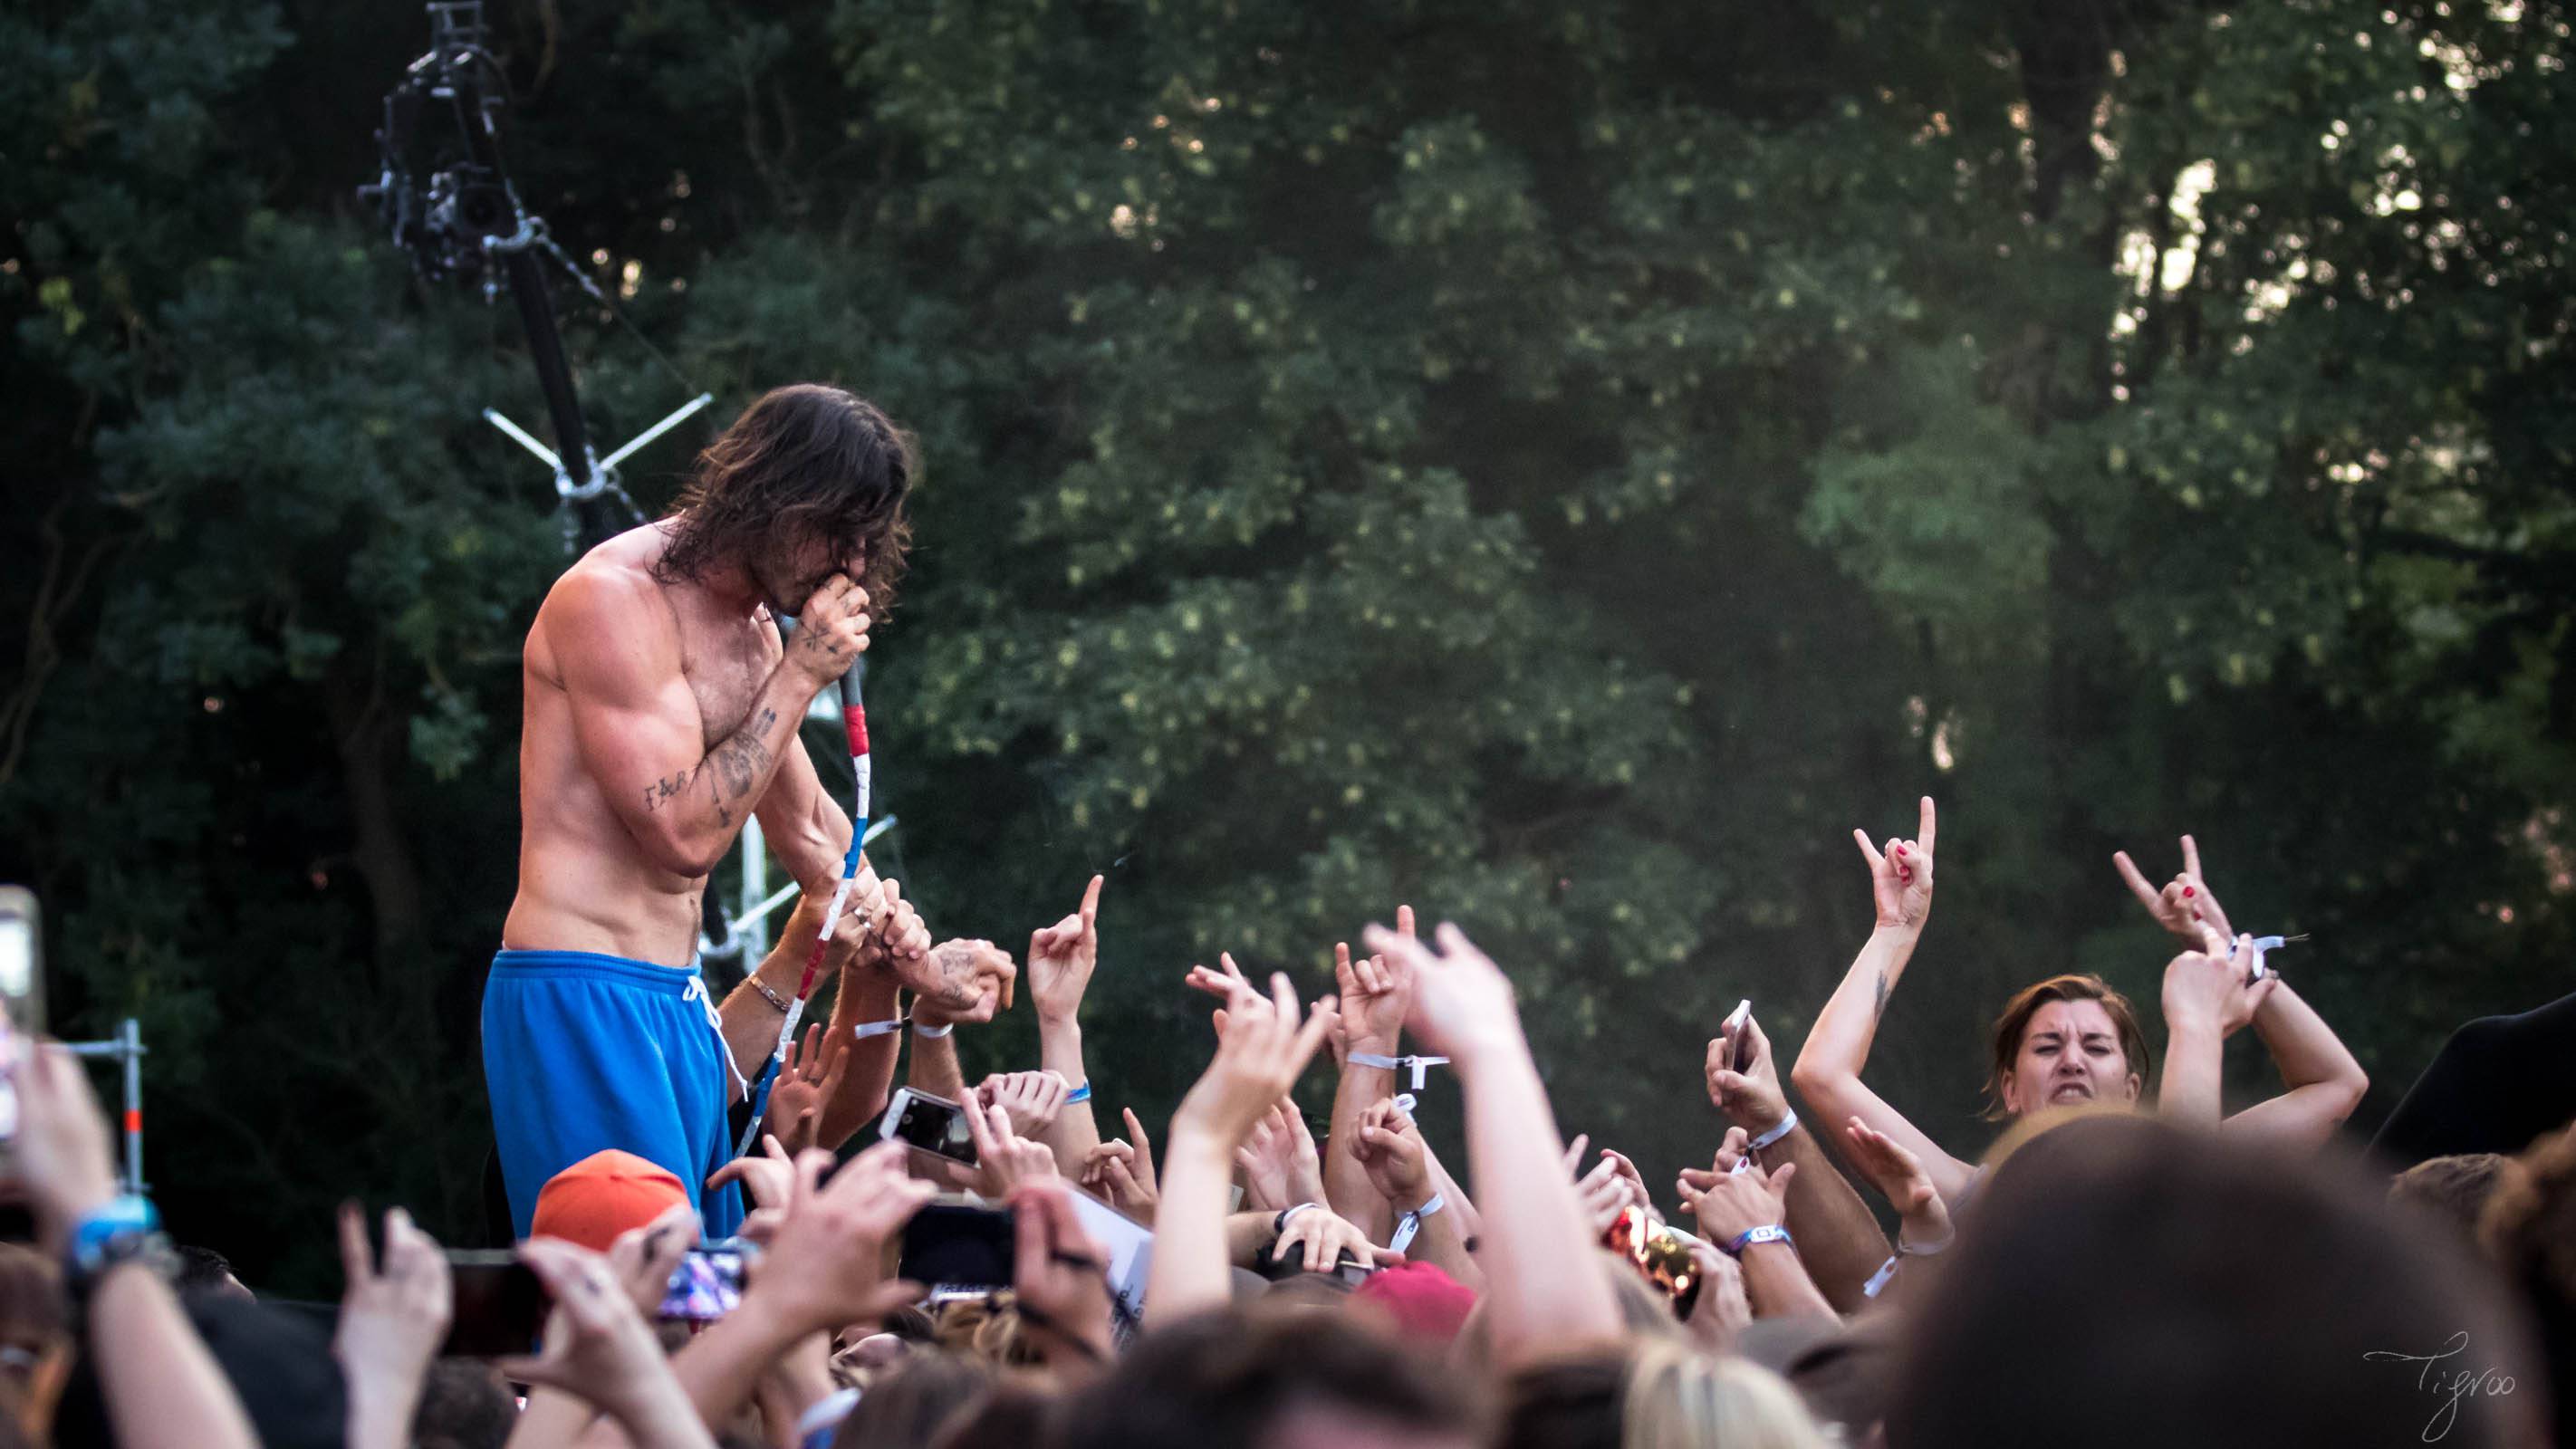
(127,1048)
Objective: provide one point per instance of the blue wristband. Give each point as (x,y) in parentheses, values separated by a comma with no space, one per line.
(118,1217)
(1078,1094)
(1767,1233)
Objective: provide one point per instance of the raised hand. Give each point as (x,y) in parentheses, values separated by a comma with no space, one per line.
(2185,907)
(1122,1172)
(391,1323)
(770,1178)
(2207,989)
(1062,958)
(1390,1147)
(1610,1188)
(831,632)
(960,980)
(1323,1239)
(645,1258)
(1899,1177)
(1376,993)
(1058,1274)
(598,1346)
(1003,1158)
(808,1076)
(1744,1080)
(1722,1310)
(1256,1063)
(826,1265)
(1033,1099)
(1732,1202)
(1462,1004)
(893,935)
(1900,875)
(1266,1157)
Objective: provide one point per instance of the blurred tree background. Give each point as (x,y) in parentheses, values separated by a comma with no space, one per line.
(1562,465)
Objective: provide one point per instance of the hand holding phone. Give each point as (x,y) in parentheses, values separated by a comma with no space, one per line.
(707,1284)
(960,1245)
(500,1306)
(926,1123)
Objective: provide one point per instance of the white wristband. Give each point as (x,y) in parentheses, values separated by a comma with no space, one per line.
(867,1029)
(1921,1250)
(934,1033)
(1411,1223)
(1787,1123)
(1421,1065)
(1878,1281)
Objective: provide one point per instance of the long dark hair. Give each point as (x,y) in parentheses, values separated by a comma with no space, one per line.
(806,463)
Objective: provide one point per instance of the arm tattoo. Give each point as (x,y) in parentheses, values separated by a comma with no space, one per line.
(730,770)
(1880,1008)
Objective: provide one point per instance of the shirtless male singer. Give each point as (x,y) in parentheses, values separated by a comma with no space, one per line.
(661,713)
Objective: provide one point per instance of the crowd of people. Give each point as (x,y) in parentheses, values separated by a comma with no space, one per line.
(2124,1265)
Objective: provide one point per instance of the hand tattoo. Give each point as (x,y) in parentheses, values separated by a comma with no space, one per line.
(955,963)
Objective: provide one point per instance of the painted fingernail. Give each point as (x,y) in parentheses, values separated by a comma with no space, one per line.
(1900,850)
(2186,890)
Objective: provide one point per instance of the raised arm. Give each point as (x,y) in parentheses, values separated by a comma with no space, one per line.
(1376,992)
(637,724)
(2206,998)
(2323,1080)
(1061,960)
(1838,1238)
(1827,1073)
(1264,1047)
(1534,1227)
(2324,1083)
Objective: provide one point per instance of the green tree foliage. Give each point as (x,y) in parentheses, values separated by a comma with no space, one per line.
(1563,466)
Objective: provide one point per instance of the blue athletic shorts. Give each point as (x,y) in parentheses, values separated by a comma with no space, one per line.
(583,1052)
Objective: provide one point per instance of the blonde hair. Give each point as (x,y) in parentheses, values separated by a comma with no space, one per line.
(1677,1397)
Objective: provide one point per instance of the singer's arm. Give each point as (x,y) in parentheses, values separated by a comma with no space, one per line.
(804,824)
(639,731)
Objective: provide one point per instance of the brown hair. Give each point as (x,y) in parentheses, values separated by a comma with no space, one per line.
(2163,1286)
(2026,1003)
(809,463)
(2453,1188)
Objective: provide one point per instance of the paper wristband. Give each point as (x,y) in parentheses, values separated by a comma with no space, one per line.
(1078,1094)
(1411,1223)
(1421,1065)
(1782,1128)
(1878,1280)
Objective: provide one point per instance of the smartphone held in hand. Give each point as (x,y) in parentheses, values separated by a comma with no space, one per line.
(928,1124)
(707,1285)
(22,987)
(500,1306)
(960,1246)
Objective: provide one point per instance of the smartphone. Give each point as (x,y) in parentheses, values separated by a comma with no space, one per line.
(1736,1019)
(22,987)
(959,1244)
(928,1124)
(500,1306)
(707,1285)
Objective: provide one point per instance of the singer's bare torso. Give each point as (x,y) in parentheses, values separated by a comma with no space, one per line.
(586,882)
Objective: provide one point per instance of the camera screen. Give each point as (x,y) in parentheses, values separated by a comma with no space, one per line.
(934,1126)
(705,1287)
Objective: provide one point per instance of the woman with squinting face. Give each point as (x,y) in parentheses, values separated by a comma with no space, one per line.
(2072,1041)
